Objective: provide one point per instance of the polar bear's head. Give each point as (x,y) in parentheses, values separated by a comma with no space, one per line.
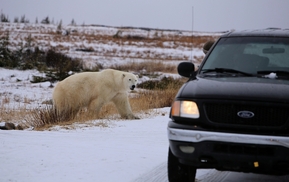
(130,80)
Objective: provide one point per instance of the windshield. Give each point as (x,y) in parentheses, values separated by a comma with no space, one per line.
(249,54)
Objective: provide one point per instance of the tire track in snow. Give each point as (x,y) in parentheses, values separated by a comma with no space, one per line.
(157,174)
(211,175)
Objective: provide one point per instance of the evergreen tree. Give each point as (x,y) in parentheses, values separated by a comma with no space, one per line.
(73,22)
(45,20)
(4,18)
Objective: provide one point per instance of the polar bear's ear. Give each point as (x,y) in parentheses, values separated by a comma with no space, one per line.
(123,75)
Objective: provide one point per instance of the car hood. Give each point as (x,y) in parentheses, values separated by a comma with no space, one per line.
(237,88)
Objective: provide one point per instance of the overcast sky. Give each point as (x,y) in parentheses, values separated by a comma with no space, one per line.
(199,15)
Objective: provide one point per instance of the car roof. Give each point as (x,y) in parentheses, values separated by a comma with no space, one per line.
(274,32)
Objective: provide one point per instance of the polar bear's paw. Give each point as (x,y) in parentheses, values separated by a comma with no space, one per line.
(130,116)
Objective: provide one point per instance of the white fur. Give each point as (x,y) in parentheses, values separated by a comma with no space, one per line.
(93,90)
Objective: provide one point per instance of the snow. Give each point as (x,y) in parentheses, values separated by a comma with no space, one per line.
(121,152)
(17,88)
(271,76)
(103,50)
(114,150)
(109,150)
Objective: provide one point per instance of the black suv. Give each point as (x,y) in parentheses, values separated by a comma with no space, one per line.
(233,112)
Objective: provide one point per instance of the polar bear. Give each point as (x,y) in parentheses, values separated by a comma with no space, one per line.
(94,89)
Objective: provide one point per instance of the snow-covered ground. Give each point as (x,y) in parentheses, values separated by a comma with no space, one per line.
(125,151)
(16,90)
(168,46)
(118,150)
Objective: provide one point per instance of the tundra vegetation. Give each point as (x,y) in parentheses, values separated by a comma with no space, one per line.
(56,51)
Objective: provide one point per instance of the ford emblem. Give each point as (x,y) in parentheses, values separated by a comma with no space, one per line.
(245,114)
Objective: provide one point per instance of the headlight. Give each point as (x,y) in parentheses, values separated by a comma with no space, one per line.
(186,109)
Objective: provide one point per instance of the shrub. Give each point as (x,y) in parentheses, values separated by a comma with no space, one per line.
(60,65)
(38,79)
(43,117)
(57,66)
(147,67)
(23,58)
(164,83)
(29,59)
(6,59)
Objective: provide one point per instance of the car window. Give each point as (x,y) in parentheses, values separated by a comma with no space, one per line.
(278,56)
(250,54)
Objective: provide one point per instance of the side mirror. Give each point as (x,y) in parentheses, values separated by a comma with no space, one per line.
(186,69)
(207,46)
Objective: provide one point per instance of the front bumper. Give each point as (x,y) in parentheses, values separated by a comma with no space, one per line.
(200,136)
(231,151)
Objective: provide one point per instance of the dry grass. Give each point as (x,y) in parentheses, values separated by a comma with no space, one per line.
(153,62)
(15,115)
(149,66)
(144,46)
(142,101)
(153,99)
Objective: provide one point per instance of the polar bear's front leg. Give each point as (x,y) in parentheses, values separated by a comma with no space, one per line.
(122,104)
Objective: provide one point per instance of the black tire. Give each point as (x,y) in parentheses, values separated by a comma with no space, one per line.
(178,172)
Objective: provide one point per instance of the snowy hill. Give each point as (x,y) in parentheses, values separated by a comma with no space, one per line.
(105,45)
